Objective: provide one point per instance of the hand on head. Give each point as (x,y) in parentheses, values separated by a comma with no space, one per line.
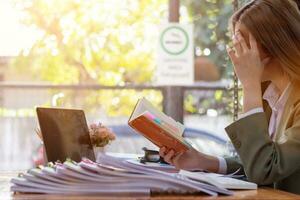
(249,62)
(246,59)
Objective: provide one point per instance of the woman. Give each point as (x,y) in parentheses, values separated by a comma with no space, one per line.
(266,59)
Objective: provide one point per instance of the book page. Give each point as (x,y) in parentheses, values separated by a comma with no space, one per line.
(144,105)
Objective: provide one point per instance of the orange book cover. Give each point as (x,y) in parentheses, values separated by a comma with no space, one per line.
(157,135)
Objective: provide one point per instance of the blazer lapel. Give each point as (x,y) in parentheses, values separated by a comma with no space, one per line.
(267,110)
(294,98)
(266,107)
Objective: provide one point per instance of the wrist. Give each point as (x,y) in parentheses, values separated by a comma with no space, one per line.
(209,163)
(251,86)
(252,97)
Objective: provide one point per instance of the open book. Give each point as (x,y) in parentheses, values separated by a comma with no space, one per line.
(159,128)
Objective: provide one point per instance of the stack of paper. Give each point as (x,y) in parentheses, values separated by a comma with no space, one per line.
(219,180)
(109,176)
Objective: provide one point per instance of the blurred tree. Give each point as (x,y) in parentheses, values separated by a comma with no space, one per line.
(210,19)
(108,42)
(113,42)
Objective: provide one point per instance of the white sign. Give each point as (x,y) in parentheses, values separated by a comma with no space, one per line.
(175,59)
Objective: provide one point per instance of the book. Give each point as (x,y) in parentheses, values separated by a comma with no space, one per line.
(157,127)
(108,176)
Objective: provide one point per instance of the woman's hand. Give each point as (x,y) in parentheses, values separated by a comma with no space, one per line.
(249,69)
(246,60)
(190,160)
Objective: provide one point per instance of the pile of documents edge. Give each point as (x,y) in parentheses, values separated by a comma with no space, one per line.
(108,176)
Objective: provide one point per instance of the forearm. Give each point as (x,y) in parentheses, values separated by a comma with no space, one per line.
(252,97)
(209,163)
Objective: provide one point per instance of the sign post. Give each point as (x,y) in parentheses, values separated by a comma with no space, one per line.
(173,95)
(175,59)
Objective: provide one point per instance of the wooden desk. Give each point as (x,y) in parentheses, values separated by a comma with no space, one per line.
(261,193)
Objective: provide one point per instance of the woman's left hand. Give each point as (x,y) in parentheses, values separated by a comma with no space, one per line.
(246,60)
(249,69)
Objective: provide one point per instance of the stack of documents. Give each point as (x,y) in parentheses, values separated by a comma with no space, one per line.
(111,176)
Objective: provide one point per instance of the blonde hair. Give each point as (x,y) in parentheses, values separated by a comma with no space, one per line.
(275,24)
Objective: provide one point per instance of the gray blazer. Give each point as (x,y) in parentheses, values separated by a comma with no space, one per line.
(264,161)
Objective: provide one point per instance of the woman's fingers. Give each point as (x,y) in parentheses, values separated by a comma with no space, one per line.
(231,54)
(253,43)
(242,42)
(169,156)
(237,46)
(175,160)
(162,152)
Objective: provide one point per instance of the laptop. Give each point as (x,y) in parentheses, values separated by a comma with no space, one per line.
(65,134)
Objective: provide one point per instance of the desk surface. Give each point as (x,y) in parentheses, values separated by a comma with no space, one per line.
(261,193)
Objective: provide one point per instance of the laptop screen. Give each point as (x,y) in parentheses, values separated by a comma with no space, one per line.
(65,134)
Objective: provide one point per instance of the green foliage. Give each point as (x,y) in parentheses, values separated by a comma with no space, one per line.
(107,42)
(189,104)
(210,18)
(119,102)
(218,100)
(104,42)
(243,2)
(113,42)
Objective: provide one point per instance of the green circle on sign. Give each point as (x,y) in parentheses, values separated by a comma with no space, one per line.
(168,50)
